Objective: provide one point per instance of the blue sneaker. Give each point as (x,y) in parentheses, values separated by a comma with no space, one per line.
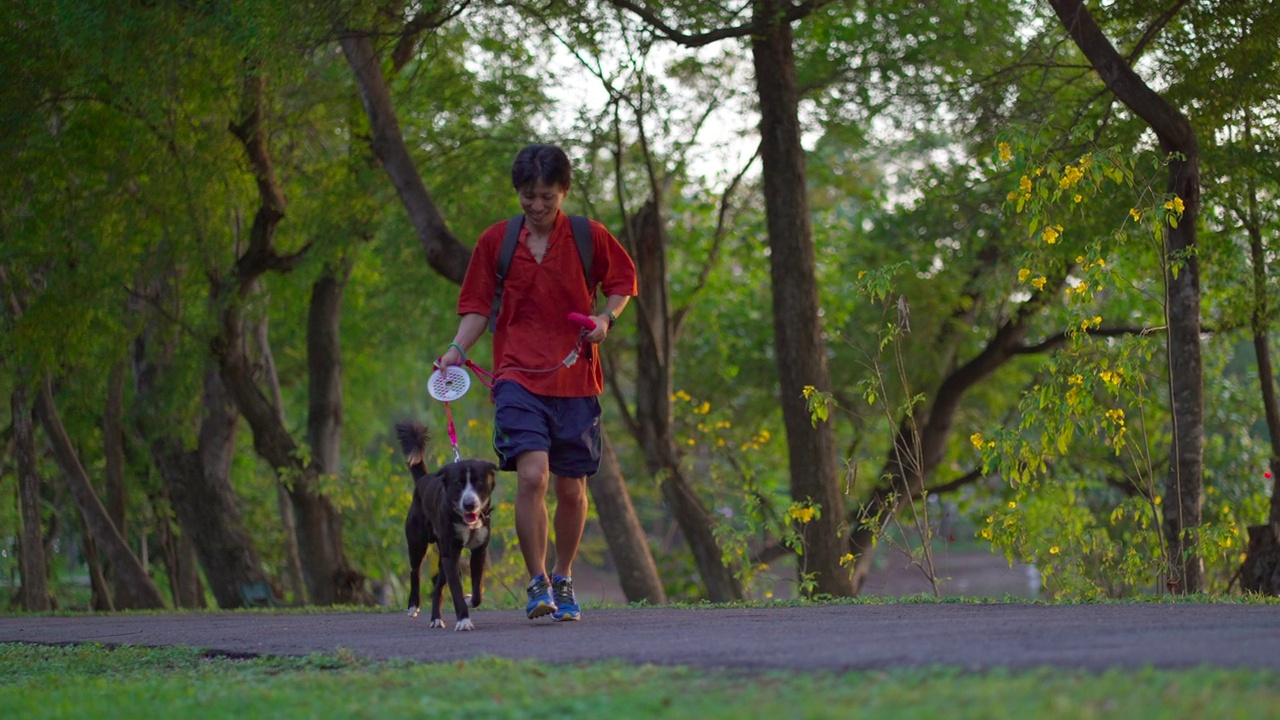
(566,604)
(540,602)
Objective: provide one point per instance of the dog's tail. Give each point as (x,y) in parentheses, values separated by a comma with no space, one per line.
(413,441)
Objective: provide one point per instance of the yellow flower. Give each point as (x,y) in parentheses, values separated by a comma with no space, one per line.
(986,533)
(1175,205)
(1135,214)
(1051,235)
(1076,379)
(1053,550)
(1080,259)
(1013,195)
(1006,152)
(862,274)
(702,409)
(1023,274)
(682,396)
(1070,176)
(1116,416)
(1025,185)
(1078,197)
(1012,504)
(846,559)
(976,439)
(1039,282)
(802,514)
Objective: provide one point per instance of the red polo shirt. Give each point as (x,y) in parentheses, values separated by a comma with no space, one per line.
(533,334)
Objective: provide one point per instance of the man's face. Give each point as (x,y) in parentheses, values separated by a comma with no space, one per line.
(541,203)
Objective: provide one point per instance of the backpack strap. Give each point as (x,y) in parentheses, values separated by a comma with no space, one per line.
(581,237)
(505,254)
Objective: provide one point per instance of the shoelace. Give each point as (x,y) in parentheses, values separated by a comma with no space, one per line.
(564,592)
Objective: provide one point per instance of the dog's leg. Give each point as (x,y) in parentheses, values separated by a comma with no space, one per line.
(437,593)
(478,558)
(417,551)
(449,561)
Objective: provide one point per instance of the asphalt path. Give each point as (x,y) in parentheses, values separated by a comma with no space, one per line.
(973,637)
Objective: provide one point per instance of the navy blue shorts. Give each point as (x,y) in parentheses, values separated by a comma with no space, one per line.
(567,429)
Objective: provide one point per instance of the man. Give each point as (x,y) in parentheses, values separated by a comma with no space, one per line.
(547,411)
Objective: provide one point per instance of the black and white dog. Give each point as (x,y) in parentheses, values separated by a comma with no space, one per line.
(451,509)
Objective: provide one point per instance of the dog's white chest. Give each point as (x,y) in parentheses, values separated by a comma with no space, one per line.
(471,538)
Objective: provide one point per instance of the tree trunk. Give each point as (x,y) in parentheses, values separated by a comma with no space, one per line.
(180,559)
(797,323)
(33,563)
(99,594)
(1260,572)
(444,253)
(197,482)
(330,578)
(113,452)
(653,426)
(628,544)
(140,593)
(288,518)
(1183,491)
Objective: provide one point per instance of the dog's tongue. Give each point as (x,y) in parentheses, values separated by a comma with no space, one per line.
(471,517)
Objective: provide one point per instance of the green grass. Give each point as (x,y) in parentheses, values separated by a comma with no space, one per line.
(128,682)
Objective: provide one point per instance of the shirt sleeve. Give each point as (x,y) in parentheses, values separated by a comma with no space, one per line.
(611,265)
(481,279)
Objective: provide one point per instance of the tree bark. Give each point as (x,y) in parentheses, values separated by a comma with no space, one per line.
(329,576)
(797,322)
(140,592)
(653,425)
(626,538)
(181,559)
(114,455)
(197,482)
(1183,491)
(294,574)
(444,253)
(33,563)
(1260,571)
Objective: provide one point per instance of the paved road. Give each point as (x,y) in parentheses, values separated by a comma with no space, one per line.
(835,638)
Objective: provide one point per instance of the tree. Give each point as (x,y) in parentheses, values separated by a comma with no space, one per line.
(1184,482)
(801,354)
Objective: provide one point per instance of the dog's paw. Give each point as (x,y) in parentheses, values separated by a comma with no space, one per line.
(437,623)
(413,611)
(472,602)
(464,625)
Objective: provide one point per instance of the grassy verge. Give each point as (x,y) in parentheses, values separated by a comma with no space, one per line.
(129,682)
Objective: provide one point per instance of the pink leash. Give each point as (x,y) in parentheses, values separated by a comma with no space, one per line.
(486,378)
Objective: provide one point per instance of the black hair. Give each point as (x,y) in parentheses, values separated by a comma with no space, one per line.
(541,163)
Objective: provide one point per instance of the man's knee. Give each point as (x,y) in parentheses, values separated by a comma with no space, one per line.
(571,490)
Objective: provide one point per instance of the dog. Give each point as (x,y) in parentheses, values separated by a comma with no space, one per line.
(450,508)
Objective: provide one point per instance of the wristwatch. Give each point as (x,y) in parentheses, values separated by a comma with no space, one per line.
(612,318)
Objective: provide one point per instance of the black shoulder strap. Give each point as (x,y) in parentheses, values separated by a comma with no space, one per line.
(505,254)
(581,237)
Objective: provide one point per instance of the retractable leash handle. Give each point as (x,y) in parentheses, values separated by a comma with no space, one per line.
(582,320)
(587,325)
